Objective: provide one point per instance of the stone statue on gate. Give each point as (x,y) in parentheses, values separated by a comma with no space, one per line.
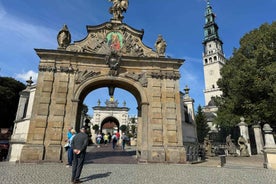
(243,147)
(63,37)
(230,146)
(119,6)
(207,146)
(160,46)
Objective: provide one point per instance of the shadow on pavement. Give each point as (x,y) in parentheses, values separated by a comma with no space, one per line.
(95,176)
(106,155)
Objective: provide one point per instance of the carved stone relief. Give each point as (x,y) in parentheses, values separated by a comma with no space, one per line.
(83,75)
(142,78)
(108,37)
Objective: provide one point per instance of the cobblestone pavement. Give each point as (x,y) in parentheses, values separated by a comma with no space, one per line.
(237,170)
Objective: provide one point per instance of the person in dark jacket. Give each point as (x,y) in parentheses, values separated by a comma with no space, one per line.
(79,145)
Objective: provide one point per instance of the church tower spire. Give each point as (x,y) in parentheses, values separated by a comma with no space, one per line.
(213,56)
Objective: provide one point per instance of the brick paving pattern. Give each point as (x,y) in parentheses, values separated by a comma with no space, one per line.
(105,166)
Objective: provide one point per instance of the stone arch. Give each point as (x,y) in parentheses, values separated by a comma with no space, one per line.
(119,82)
(109,119)
(134,87)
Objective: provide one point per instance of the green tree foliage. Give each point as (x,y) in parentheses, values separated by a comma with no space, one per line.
(201,125)
(123,128)
(249,80)
(96,128)
(9,97)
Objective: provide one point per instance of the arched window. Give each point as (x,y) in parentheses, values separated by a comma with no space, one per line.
(215,58)
(210,60)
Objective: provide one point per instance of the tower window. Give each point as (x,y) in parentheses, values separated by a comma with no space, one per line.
(206,61)
(210,59)
(215,58)
(213,86)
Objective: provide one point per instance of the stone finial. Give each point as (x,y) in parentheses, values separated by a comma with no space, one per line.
(242,119)
(124,103)
(269,139)
(99,102)
(187,89)
(160,46)
(29,82)
(119,6)
(63,37)
(242,123)
(267,128)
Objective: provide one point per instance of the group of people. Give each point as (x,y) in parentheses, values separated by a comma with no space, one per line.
(77,144)
(114,139)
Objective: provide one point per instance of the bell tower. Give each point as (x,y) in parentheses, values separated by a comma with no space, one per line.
(213,56)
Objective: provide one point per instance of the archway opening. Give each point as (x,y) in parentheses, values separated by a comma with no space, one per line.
(110,113)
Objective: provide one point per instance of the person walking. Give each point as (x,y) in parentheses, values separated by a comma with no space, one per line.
(114,141)
(79,145)
(124,138)
(69,157)
(70,150)
(105,137)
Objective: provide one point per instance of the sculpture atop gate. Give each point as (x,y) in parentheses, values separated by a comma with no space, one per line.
(119,6)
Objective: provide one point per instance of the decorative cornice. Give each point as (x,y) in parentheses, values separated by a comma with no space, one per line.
(47,68)
(63,69)
(165,75)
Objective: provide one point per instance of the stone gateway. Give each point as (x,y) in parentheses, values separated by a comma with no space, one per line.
(112,54)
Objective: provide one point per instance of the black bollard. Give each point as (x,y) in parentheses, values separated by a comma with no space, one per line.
(222,160)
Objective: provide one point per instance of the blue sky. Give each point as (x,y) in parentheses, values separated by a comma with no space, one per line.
(29,24)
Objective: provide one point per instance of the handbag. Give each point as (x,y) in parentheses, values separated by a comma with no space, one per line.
(66,146)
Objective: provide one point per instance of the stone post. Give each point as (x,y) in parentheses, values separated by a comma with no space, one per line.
(244,132)
(269,148)
(258,138)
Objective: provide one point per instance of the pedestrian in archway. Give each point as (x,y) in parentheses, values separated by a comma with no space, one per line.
(109,137)
(114,141)
(118,135)
(105,137)
(124,138)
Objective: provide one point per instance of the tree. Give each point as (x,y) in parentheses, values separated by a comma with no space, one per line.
(9,97)
(96,128)
(201,125)
(123,128)
(248,80)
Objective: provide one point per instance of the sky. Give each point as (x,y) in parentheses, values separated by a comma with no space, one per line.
(29,24)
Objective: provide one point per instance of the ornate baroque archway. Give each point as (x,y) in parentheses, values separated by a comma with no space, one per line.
(68,74)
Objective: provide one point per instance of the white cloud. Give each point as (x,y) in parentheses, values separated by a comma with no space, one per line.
(25,35)
(26,76)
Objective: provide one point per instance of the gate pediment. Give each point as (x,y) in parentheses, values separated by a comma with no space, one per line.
(112,36)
